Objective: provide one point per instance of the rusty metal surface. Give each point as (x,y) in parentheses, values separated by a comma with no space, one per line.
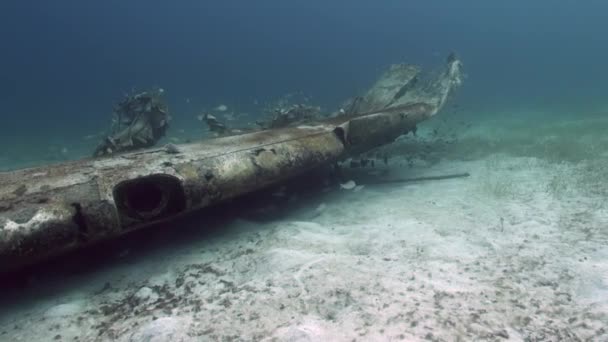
(50,210)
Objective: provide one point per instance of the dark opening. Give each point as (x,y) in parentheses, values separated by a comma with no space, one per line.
(149,198)
(339,132)
(145,197)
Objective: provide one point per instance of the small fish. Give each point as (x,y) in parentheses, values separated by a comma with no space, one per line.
(221,108)
(172,149)
(318,211)
(348,185)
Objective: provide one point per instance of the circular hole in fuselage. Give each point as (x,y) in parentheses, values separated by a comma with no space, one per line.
(145,198)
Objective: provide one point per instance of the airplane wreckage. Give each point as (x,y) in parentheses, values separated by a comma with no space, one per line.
(129,184)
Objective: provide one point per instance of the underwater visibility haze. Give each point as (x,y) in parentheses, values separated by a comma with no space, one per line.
(365,170)
(66,62)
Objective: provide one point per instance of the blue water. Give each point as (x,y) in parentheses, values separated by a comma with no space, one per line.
(64,63)
(520,253)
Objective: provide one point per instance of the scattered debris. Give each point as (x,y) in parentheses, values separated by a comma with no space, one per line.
(290,115)
(214,124)
(419,179)
(140,121)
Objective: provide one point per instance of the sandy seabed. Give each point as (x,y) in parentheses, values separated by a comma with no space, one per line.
(518,251)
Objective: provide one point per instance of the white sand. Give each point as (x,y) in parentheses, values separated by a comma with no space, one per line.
(518,251)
